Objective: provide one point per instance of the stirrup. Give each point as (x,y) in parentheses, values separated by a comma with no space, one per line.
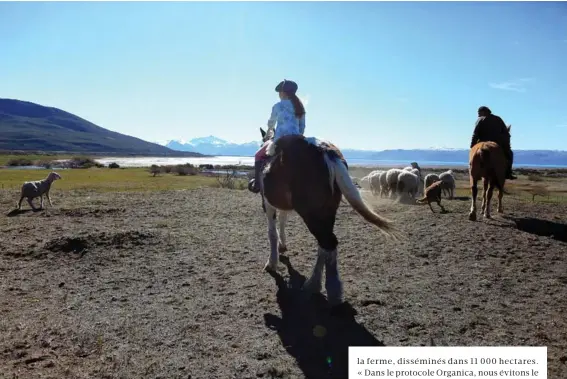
(252,186)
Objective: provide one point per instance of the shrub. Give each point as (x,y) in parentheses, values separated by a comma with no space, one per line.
(113,165)
(155,169)
(230,180)
(20,162)
(186,169)
(535,178)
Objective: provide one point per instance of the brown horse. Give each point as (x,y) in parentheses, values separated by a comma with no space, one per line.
(487,161)
(310,177)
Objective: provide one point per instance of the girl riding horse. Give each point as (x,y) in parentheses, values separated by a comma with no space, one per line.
(288,117)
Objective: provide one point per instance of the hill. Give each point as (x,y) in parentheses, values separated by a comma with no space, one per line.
(26,126)
(216,146)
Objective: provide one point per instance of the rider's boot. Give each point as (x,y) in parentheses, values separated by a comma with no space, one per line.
(510,157)
(509,174)
(254,186)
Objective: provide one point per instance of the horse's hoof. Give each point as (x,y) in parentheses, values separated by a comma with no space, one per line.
(270,267)
(472,217)
(282,248)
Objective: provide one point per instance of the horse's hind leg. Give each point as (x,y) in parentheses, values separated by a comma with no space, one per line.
(500,194)
(272,263)
(484,191)
(474,193)
(322,228)
(282,245)
(488,199)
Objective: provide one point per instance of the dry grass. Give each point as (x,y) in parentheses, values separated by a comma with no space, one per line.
(107,180)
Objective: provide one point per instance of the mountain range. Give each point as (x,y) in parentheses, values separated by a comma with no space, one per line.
(212,145)
(26,126)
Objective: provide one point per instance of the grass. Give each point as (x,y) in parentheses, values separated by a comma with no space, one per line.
(547,190)
(107,180)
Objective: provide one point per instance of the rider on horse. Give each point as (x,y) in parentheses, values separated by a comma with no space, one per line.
(490,127)
(289,116)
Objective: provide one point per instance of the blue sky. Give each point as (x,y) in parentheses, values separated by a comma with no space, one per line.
(373,75)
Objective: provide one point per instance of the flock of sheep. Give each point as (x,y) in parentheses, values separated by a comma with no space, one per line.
(408,182)
(390,183)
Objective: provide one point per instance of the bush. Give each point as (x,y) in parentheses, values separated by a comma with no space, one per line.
(45,163)
(113,165)
(16,162)
(231,181)
(535,178)
(155,169)
(538,191)
(186,169)
(82,162)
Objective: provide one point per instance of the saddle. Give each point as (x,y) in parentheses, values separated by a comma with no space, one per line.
(290,143)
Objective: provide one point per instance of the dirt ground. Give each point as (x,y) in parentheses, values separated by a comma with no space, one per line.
(170,285)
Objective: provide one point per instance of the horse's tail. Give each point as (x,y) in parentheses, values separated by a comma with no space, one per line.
(339,172)
(484,159)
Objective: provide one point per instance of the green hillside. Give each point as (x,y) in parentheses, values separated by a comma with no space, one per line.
(26,126)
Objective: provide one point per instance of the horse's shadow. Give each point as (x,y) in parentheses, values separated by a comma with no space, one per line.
(16,212)
(461,198)
(314,333)
(540,227)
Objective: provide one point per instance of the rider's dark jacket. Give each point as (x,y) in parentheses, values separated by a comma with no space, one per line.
(490,128)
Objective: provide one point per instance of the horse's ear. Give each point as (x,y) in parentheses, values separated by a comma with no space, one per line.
(509,127)
(263,132)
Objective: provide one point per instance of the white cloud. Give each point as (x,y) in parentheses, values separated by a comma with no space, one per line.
(517,85)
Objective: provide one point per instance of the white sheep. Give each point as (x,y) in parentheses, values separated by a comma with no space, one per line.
(383,183)
(408,182)
(375,181)
(38,188)
(392,180)
(449,179)
(430,179)
(417,171)
(365,182)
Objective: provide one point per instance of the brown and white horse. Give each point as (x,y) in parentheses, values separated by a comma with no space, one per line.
(310,177)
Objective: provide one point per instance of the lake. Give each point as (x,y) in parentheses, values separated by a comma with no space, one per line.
(249,161)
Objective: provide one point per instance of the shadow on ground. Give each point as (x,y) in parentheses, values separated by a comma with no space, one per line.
(540,227)
(318,355)
(16,212)
(461,198)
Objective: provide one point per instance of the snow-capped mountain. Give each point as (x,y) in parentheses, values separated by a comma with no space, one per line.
(212,145)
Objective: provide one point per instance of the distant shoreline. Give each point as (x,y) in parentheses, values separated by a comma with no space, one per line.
(126,160)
